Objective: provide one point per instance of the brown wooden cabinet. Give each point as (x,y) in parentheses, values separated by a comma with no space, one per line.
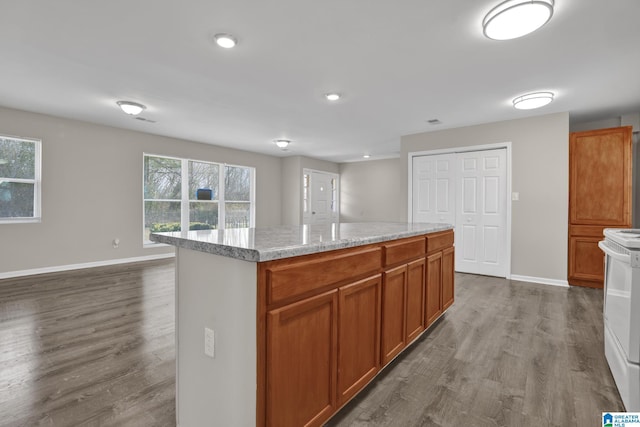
(415,299)
(448,288)
(328,322)
(433,304)
(394,290)
(302,364)
(358,335)
(599,197)
(440,264)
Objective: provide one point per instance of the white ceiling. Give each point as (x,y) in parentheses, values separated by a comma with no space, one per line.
(397,63)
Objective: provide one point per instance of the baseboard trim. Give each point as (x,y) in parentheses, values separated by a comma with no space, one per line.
(540,280)
(69,267)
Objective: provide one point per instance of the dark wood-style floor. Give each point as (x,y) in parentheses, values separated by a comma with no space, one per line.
(96,348)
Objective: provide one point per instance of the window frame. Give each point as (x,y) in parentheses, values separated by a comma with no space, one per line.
(185,198)
(36,181)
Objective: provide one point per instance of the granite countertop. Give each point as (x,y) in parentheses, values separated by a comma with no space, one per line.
(266,244)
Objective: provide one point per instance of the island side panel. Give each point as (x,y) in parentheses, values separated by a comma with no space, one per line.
(218,293)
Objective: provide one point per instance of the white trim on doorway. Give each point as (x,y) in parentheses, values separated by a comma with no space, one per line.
(506,145)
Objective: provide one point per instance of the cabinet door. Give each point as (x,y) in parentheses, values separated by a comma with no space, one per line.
(301,362)
(447,278)
(415,298)
(434,287)
(358,335)
(393,312)
(600,177)
(586,261)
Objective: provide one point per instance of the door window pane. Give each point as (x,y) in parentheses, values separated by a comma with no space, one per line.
(162,178)
(16,199)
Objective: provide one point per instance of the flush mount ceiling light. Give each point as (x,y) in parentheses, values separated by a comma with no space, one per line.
(515,18)
(226,41)
(131,108)
(282,143)
(332,96)
(533,100)
(366,156)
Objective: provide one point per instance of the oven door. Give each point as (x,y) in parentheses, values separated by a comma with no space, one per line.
(618,280)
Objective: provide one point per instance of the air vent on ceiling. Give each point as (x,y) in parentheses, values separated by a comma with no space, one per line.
(143,119)
(434,122)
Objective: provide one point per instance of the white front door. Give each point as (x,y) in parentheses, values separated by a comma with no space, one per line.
(481,219)
(434,179)
(323,193)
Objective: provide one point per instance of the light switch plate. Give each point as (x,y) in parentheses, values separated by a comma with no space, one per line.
(209,342)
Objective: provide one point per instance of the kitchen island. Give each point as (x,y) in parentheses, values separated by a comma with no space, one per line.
(302,317)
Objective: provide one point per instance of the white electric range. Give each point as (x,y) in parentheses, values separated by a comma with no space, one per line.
(622,311)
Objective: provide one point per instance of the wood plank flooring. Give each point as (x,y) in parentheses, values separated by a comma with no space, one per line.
(91,347)
(505,354)
(96,348)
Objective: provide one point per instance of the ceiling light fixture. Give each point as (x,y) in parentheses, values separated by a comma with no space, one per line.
(366,156)
(282,143)
(515,18)
(131,108)
(226,41)
(332,96)
(533,100)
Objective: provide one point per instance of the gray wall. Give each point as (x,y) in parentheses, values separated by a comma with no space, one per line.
(540,173)
(92,190)
(371,191)
(292,168)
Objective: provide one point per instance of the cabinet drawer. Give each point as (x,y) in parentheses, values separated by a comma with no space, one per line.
(439,241)
(403,251)
(291,279)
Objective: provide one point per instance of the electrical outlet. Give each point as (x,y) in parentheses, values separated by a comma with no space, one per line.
(209,342)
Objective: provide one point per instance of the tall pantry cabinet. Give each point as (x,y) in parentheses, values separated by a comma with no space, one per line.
(599,197)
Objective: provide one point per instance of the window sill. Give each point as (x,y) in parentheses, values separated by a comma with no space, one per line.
(149,244)
(20,220)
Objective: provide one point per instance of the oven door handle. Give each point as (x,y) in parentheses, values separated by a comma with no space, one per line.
(613,254)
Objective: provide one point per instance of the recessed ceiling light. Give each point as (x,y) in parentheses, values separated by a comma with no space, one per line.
(131,108)
(367,156)
(434,122)
(282,143)
(515,18)
(332,96)
(533,100)
(226,41)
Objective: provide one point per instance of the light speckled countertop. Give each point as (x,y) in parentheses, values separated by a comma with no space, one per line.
(266,244)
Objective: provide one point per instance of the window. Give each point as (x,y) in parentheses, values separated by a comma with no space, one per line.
(19,179)
(181,194)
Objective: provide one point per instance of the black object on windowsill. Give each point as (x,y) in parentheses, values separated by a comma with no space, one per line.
(204,194)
